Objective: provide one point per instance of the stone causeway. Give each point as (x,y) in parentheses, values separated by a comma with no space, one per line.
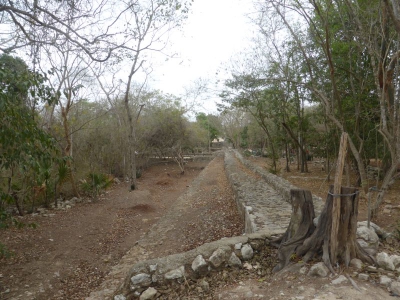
(263,200)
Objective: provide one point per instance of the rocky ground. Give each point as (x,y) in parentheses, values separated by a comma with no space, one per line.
(70,252)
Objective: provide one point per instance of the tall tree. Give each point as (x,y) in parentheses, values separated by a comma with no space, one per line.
(24,147)
(150,25)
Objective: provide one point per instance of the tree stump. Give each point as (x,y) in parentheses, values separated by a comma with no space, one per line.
(346,245)
(306,241)
(300,227)
(335,235)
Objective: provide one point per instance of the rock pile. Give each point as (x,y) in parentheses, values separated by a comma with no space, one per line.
(149,279)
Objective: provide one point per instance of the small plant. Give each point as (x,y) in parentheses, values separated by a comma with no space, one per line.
(4,252)
(95,183)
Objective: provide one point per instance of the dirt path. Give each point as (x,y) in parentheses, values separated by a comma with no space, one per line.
(70,253)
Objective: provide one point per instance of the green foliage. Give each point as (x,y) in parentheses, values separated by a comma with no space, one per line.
(7,221)
(27,151)
(206,123)
(96,183)
(4,252)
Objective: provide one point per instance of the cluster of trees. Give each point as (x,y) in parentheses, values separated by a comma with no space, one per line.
(73,107)
(320,68)
(79,100)
(39,158)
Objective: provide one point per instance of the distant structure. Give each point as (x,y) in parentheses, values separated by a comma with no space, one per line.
(217,143)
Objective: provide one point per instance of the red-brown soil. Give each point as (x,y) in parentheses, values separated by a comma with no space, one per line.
(69,254)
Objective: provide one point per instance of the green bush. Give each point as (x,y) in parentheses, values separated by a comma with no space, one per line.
(95,183)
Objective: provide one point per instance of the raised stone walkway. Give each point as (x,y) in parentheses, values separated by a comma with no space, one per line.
(263,199)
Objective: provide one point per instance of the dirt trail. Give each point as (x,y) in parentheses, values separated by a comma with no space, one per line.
(69,254)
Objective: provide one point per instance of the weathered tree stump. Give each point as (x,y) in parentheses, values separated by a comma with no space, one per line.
(300,227)
(306,241)
(335,235)
(345,243)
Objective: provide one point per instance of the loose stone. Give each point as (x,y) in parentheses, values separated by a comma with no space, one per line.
(247,252)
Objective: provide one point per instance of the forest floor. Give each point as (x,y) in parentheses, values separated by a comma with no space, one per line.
(70,252)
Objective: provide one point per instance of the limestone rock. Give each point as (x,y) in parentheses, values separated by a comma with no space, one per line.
(234,261)
(384,261)
(119,297)
(368,239)
(339,280)
(395,260)
(175,274)
(148,294)
(217,258)
(356,263)
(384,280)
(238,246)
(395,288)
(379,231)
(153,268)
(319,270)
(363,276)
(199,265)
(141,280)
(247,252)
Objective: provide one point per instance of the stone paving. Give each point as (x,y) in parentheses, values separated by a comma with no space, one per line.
(262,198)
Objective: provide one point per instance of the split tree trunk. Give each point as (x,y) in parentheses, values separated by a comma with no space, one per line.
(335,234)
(306,241)
(300,227)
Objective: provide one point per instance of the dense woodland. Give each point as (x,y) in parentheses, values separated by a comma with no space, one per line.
(70,122)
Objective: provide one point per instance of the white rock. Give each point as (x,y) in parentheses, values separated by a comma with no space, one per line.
(319,270)
(363,276)
(199,265)
(395,260)
(148,294)
(384,261)
(395,288)
(119,297)
(217,258)
(153,268)
(339,280)
(375,227)
(356,263)
(234,261)
(247,252)
(141,280)
(175,274)
(238,246)
(368,239)
(384,280)
(247,266)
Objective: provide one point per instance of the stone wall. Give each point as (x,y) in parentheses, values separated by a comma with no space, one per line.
(265,207)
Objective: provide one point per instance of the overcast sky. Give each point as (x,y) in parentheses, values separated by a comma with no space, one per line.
(215,31)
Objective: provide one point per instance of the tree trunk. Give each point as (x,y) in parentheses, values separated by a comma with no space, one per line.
(387,180)
(336,231)
(303,154)
(301,226)
(68,149)
(345,244)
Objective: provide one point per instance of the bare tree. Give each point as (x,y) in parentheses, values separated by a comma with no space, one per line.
(149,27)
